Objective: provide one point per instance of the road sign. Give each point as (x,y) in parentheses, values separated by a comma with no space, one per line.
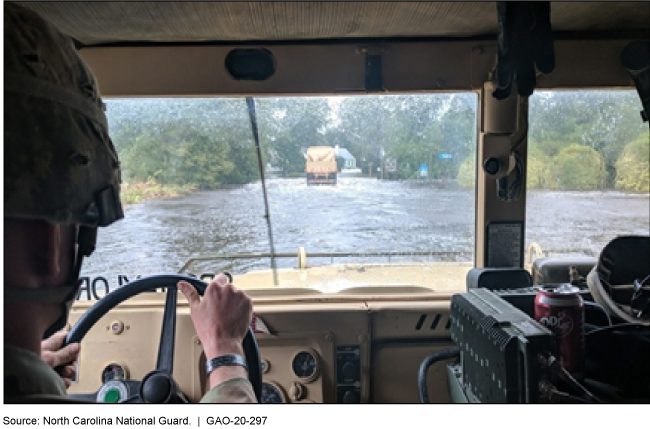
(423,171)
(446,155)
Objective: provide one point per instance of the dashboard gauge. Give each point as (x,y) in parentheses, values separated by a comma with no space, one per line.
(265,365)
(305,365)
(272,394)
(112,392)
(114,371)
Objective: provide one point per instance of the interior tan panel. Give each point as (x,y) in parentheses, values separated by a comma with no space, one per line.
(338,68)
(395,370)
(278,353)
(403,335)
(410,320)
(587,63)
(496,140)
(392,338)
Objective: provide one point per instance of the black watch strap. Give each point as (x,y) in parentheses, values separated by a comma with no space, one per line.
(224,360)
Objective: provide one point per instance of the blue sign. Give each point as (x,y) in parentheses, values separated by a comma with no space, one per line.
(424,167)
(423,171)
(445,155)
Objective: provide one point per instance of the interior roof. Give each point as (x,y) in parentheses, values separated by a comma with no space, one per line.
(112,23)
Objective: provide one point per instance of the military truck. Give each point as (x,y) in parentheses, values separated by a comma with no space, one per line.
(320,165)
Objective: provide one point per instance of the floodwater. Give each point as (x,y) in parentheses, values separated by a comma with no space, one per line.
(357,215)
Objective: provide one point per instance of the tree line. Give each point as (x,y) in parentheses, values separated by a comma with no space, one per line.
(584,140)
(577,140)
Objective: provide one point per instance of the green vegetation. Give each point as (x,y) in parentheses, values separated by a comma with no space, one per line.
(633,166)
(579,168)
(577,139)
(413,130)
(575,167)
(139,192)
(289,124)
(539,169)
(184,141)
(585,140)
(467,172)
(209,142)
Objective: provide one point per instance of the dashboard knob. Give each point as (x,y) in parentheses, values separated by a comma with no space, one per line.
(296,391)
(350,397)
(349,370)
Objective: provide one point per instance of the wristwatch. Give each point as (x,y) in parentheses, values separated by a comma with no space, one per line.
(224,360)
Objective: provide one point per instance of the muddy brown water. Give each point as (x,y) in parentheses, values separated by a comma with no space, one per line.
(357,215)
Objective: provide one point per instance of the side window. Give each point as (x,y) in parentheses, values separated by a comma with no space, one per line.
(588,171)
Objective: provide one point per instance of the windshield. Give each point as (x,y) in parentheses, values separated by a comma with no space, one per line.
(400,190)
(358,182)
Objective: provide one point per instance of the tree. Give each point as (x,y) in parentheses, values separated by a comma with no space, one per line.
(412,129)
(579,168)
(633,166)
(539,169)
(290,124)
(205,142)
(603,120)
(358,125)
(458,131)
(467,172)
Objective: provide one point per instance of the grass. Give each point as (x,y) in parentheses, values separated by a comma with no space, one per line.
(133,193)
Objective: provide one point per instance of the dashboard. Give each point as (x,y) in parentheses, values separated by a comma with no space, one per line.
(358,348)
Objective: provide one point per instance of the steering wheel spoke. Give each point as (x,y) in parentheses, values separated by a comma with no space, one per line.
(165,360)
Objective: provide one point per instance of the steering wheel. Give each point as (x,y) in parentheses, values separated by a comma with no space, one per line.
(157,386)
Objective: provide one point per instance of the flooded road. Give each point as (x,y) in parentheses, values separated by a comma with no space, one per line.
(357,215)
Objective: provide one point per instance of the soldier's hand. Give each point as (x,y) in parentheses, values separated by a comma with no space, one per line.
(221,318)
(54,355)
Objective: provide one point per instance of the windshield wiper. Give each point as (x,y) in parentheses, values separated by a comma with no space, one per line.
(253,118)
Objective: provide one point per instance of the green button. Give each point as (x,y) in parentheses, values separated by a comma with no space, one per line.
(112,396)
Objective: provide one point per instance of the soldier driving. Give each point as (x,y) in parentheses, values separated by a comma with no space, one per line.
(62,182)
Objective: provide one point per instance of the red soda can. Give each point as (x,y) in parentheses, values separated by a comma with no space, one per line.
(562,311)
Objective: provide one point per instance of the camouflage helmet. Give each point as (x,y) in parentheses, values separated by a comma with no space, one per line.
(60,164)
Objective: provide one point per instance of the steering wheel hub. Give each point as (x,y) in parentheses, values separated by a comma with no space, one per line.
(157,388)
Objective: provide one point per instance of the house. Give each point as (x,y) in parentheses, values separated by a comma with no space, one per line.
(350,161)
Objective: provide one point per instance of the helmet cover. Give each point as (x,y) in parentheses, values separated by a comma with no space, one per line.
(60,164)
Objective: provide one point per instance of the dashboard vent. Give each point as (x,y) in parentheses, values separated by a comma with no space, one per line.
(432,323)
(418,326)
